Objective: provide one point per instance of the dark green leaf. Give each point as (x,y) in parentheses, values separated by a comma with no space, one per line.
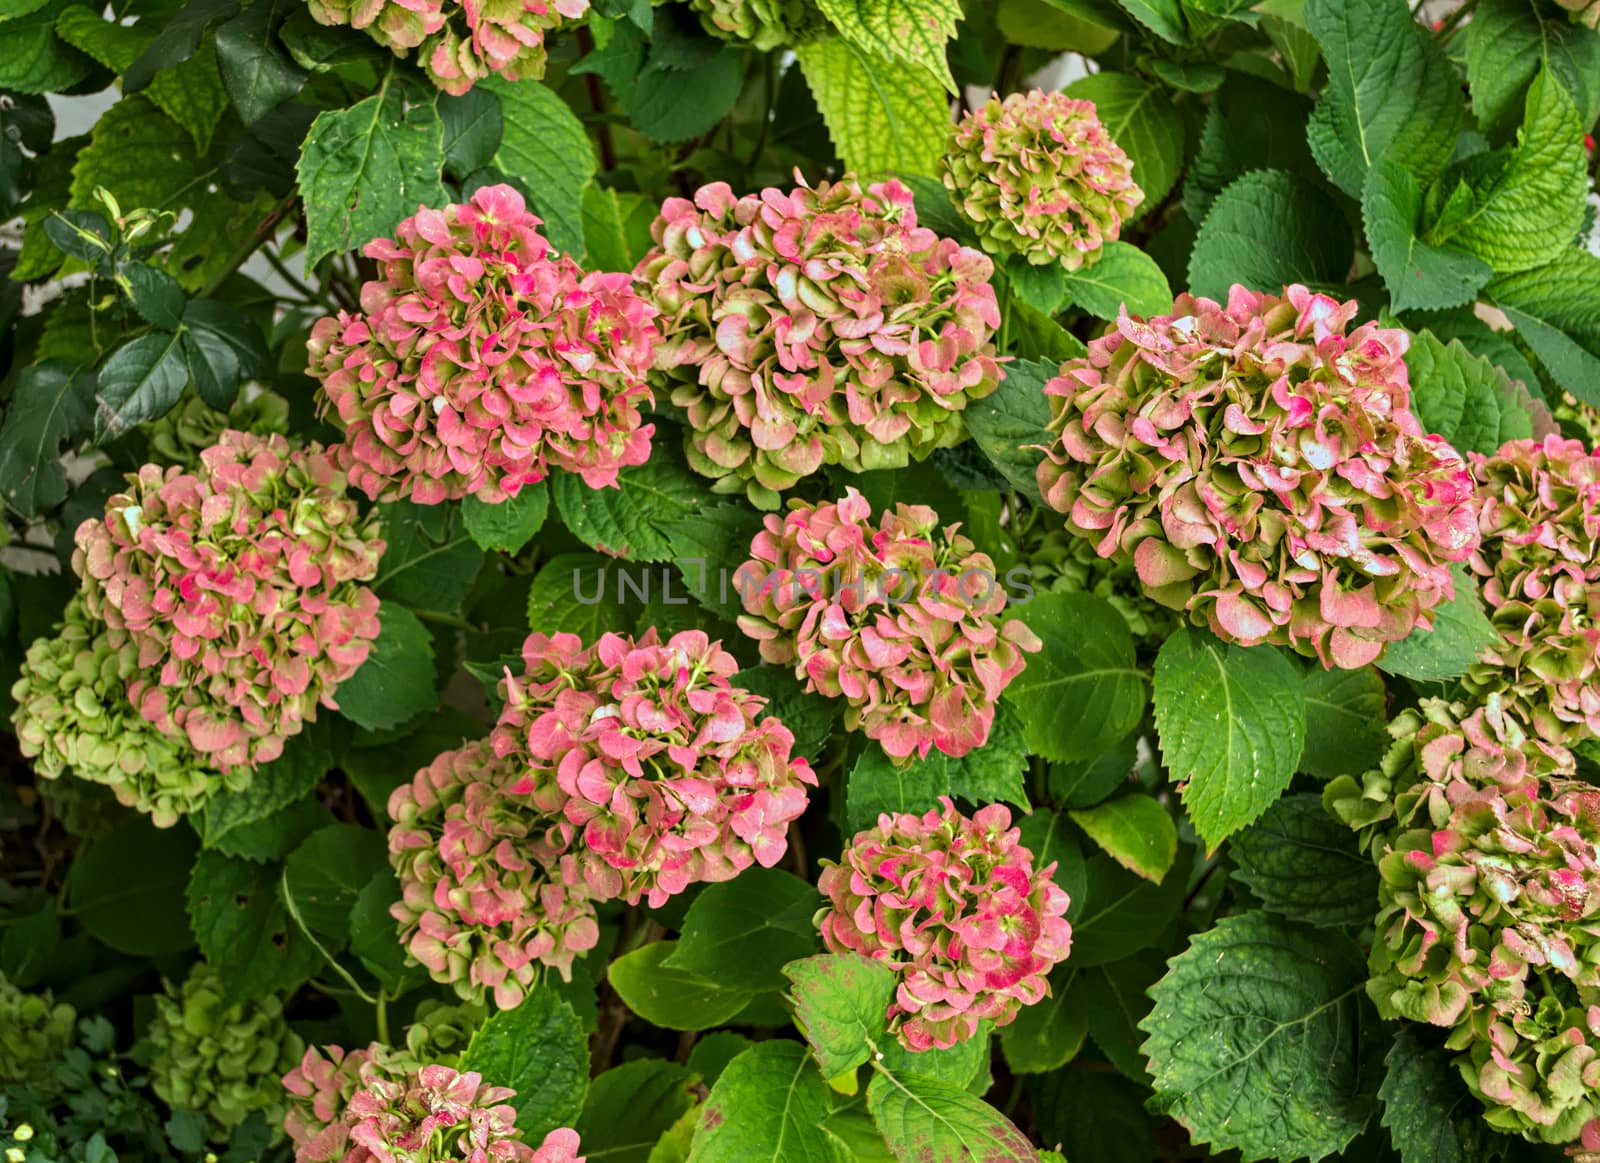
(178,40)
(631,1106)
(1460,631)
(126,888)
(1430,1114)
(473,126)
(255,67)
(545,149)
(141,381)
(396,682)
(53,404)
(305,760)
(1118,998)
(431,560)
(640,518)
(1555,310)
(374,934)
(1304,864)
(325,874)
(156,295)
(1418,275)
(510,524)
(808,715)
(1011,425)
(1097,1118)
(1266,230)
(1119,913)
(742,932)
(537,1049)
(1345,721)
(1048,1034)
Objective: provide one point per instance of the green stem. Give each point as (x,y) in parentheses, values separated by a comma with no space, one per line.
(383,1017)
(442,619)
(294,912)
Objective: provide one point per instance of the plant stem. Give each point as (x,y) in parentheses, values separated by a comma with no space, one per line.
(442,619)
(312,295)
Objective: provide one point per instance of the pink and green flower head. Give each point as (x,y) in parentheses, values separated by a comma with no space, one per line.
(816,326)
(241,586)
(1259,464)
(901,617)
(1038,176)
(480,361)
(956,907)
(1539,570)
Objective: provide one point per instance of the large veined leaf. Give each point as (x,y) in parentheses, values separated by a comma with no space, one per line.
(1419,275)
(914,31)
(1464,398)
(1555,310)
(544,148)
(1254,1039)
(767,1107)
(885,116)
(1266,230)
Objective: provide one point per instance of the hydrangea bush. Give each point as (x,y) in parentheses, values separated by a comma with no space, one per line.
(720,580)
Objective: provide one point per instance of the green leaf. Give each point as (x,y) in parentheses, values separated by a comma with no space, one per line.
(274,837)
(1047,1035)
(1135,831)
(1122,277)
(1460,632)
(1011,424)
(126,888)
(996,771)
(666,109)
(1345,721)
(1555,310)
(1431,1115)
(1082,783)
(511,524)
(327,872)
(431,561)
(1084,691)
(570,594)
(1119,913)
(1507,41)
(1391,93)
(810,716)
(242,928)
(141,381)
(256,69)
(396,682)
(639,518)
(545,149)
(1096,1117)
(1419,276)
(36,60)
(769,1106)
(538,1049)
(966,1064)
(671,998)
(156,295)
(1044,288)
(1266,230)
(1254,1039)
(365,168)
(914,31)
(1303,864)
(612,230)
(740,933)
(929,1120)
(178,41)
(984,775)
(1118,998)
(1141,118)
(373,934)
(631,1106)
(1232,722)
(1464,398)
(884,116)
(1162,17)
(305,760)
(1519,211)
(53,404)
(474,125)
(841,1005)
(1053,840)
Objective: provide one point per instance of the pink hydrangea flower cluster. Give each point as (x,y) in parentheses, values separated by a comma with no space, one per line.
(1038,175)
(901,618)
(625,770)
(1539,561)
(372,1106)
(241,585)
(818,326)
(459,44)
(957,909)
(480,360)
(1262,469)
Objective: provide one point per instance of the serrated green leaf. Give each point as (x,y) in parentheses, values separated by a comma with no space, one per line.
(126,888)
(273,837)
(1431,1116)
(1083,691)
(431,561)
(1162,17)
(767,1107)
(1236,139)
(1464,398)
(1135,831)
(365,168)
(1254,1039)
(36,60)
(1460,632)
(1266,230)
(1555,310)
(1011,424)
(672,998)
(742,932)
(305,760)
(156,295)
(1232,722)
(510,524)
(242,928)
(474,125)
(325,874)
(841,1005)
(883,116)
(538,1049)
(1118,913)
(178,41)
(1143,121)
(1419,276)
(396,682)
(1082,783)
(810,716)
(1096,1117)
(141,381)
(1391,93)
(1521,211)
(1118,998)
(373,934)
(914,31)
(666,109)
(1303,864)
(878,784)
(572,593)
(1049,1033)
(631,1106)
(640,517)
(545,149)
(928,1120)
(1508,40)
(256,69)
(1122,277)
(53,403)
(1345,721)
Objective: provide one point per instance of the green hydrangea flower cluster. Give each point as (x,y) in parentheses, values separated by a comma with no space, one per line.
(762,24)
(34,1030)
(193,426)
